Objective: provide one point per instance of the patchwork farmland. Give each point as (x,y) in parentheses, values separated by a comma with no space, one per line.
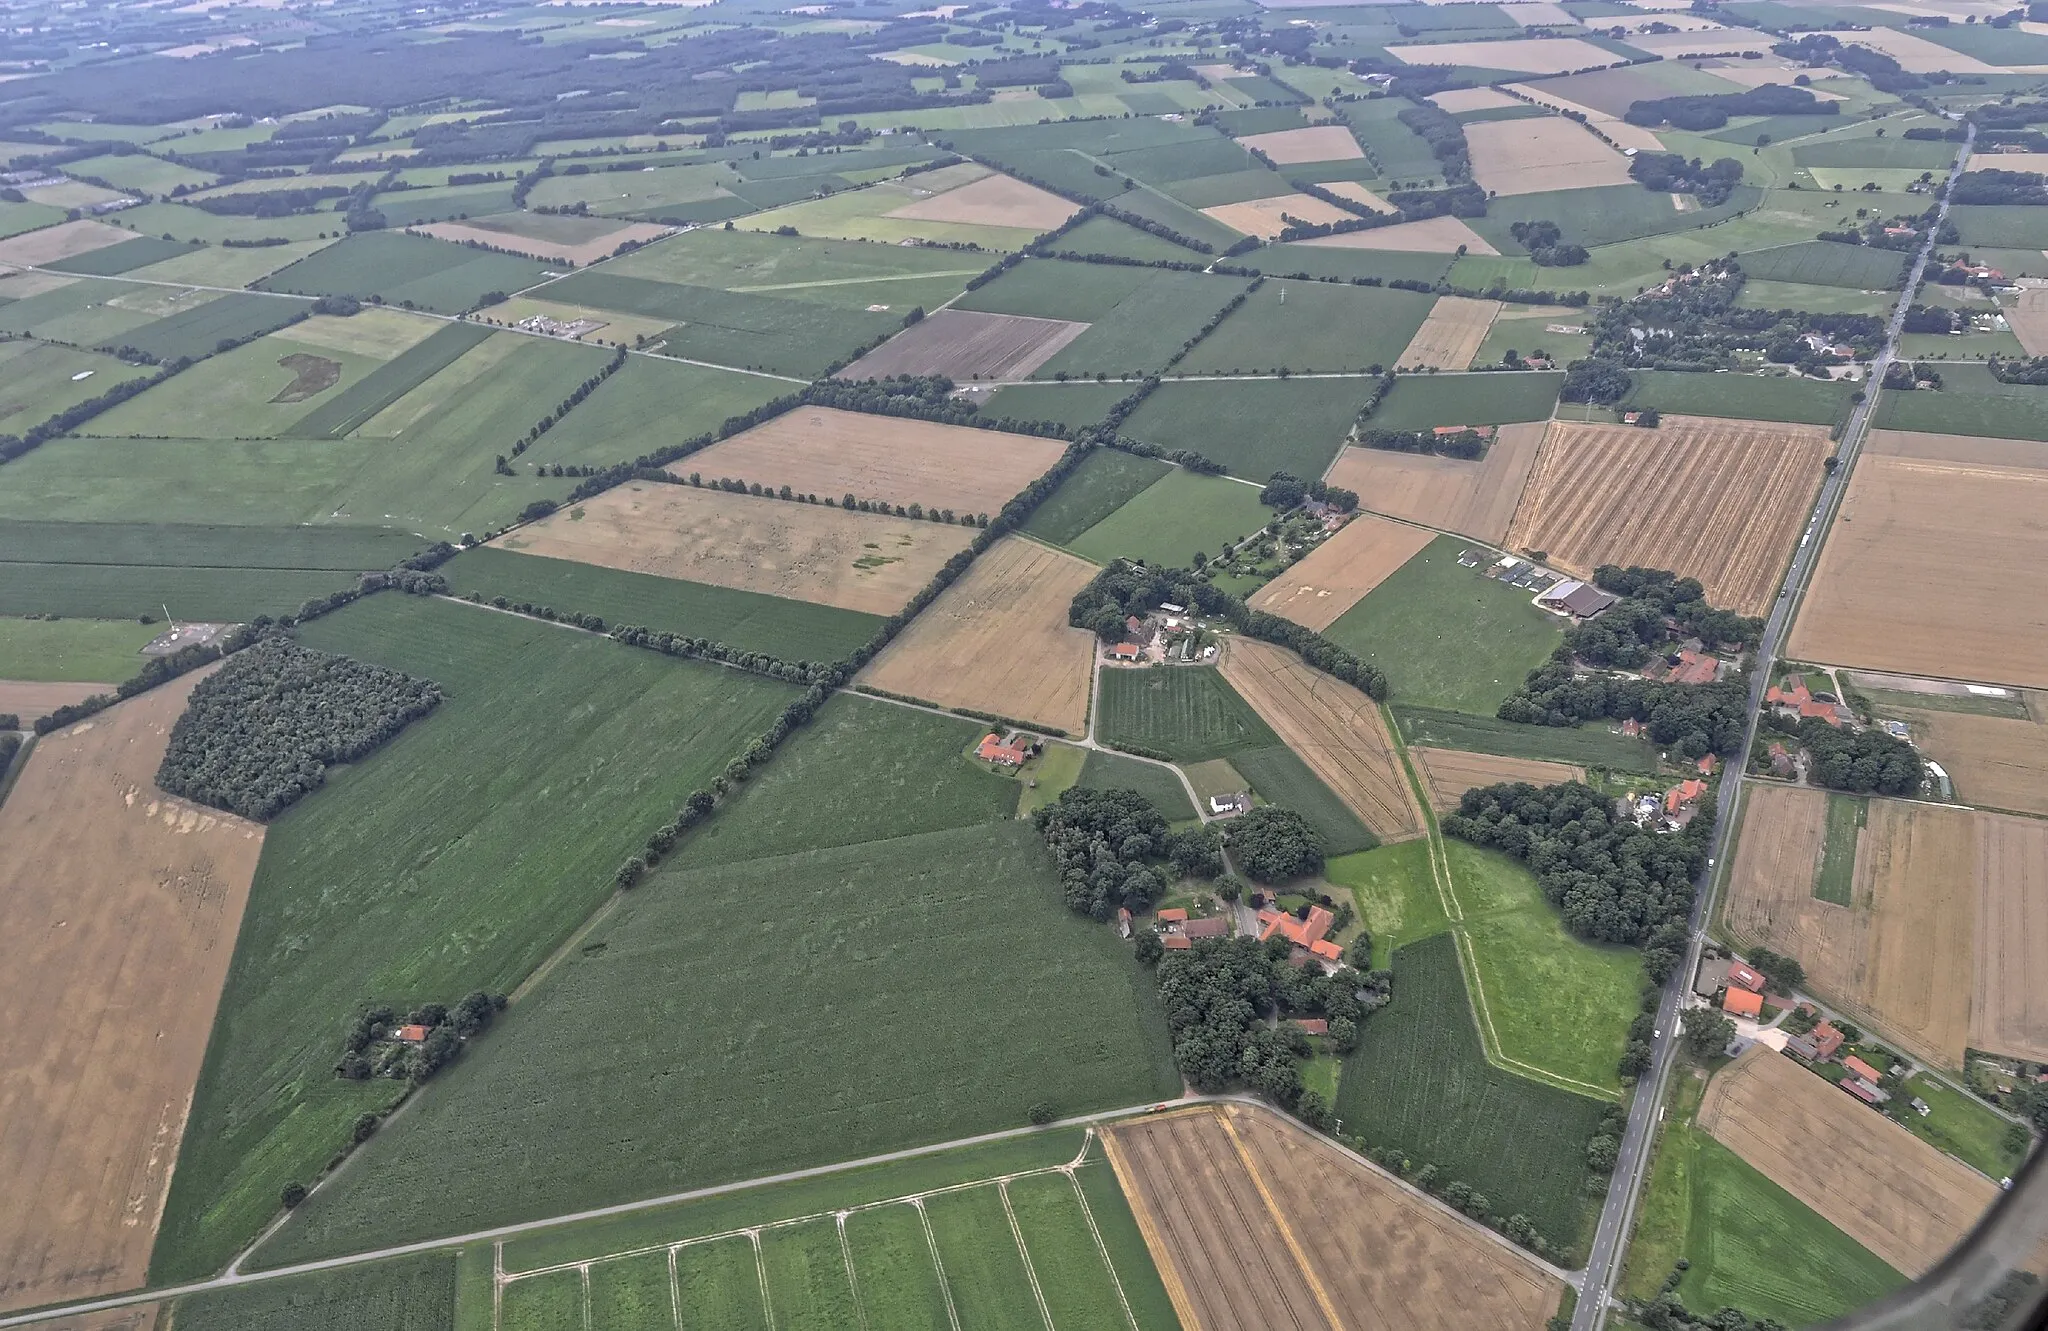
(1334,575)
(1721,501)
(1471,498)
(1448,773)
(962,344)
(1450,337)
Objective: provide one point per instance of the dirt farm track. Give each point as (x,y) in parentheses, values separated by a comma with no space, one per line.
(1258,1225)
(1876,1182)
(119,907)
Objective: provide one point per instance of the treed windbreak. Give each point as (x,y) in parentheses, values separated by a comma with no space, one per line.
(263,731)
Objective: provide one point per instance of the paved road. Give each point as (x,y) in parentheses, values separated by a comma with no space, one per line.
(1618,1214)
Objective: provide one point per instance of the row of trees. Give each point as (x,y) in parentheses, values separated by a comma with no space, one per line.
(1712,110)
(1465,444)
(849,501)
(1285,491)
(1691,720)
(261,732)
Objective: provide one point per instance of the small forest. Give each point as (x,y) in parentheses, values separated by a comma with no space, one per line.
(1114,849)
(262,731)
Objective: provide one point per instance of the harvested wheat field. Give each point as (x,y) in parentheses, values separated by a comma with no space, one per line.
(1357,193)
(1432,235)
(1450,337)
(1449,773)
(1317,143)
(29,699)
(1996,762)
(1338,731)
(1612,125)
(1267,218)
(2009,1005)
(1337,574)
(1523,55)
(119,906)
(1950,526)
(138,1317)
(66,240)
(828,453)
(998,640)
(1876,1182)
(966,345)
(807,552)
(1915,54)
(2029,320)
(548,251)
(1456,100)
(1719,500)
(1901,956)
(1532,156)
(1470,498)
(1256,1223)
(994,200)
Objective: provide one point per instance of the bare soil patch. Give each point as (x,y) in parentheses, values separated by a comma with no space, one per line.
(1318,143)
(29,699)
(313,375)
(1449,773)
(1531,156)
(857,561)
(1337,574)
(998,640)
(2009,1004)
(1337,730)
(1434,235)
(548,251)
(1264,217)
(1885,1188)
(1900,957)
(817,450)
(1456,100)
(1930,569)
(1720,500)
(119,906)
(1471,498)
(1540,15)
(1257,1223)
(968,345)
(994,200)
(1528,55)
(1996,762)
(66,240)
(2029,318)
(1450,337)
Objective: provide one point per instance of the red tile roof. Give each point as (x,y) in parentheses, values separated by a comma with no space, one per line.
(1862,1069)
(1743,1003)
(412,1034)
(1312,1025)
(1827,1041)
(1326,950)
(993,750)
(1682,794)
(1173,915)
(1739,974)
(1708,764)
(1302,933)
(1177,943)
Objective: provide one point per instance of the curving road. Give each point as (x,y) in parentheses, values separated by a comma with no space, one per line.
(1618,1214)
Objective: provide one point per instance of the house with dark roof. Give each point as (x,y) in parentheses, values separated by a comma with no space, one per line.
(1577,601)
(1684,667)
(1743,977)
(1214,926)
(1176,942)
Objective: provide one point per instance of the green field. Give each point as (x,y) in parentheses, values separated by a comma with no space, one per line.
(225,266)
(404,269)
(1594,746)
(246,393)
(1106,480)
(405,1294)
(792,630)
(878,1004)
(1178,515)
(851,274)
(2009,226)
(1145,328)
(1075,404)
(88,312)
(1446,637)
(1114,771)
(1423,401)
(1919,154)
(111,260)
(1761,295)
(1304,326)
(37,380)
(1419,1084)
(1602,215)
(1398,899)
(200,330)
(1187,713)
(1751,1244)
(649,404)
(1082,293)
(1958,1124)
(1823,263)
(1745,397)
(1336,262)
(1106,235)
(1836,879)
(746,331)
(1279,776)
(361,399)
(865,214)
(1970,402)
(93,651)
(1254,427)
(1556,1002)
(457,857)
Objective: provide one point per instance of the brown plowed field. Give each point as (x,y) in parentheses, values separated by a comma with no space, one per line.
(2009,1004)
(1432,235)
(1996,762)
(994,200)
(2029,318)
(1901,956)
(1930,569)
(828,453)
(807,552)
(118,911)
(1450,337)
(1529,156)
(1876,1182)
(1719,500)
(1448,773)
(967,345)
(998,640)
(142,1317)
(1337,574)
(1334,728)
(1471,498)
(1317,143)
(29,699)
(1257,1223)
(1262,217)
(66,240)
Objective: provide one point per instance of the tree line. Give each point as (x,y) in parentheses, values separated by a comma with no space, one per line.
(1712,110)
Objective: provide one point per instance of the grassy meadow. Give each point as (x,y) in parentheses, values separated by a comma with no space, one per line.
(1254,427)
(1177,516)
(1188,713)
(1104,483)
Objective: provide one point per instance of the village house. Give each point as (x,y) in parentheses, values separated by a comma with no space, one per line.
(1013,751)
(1743,1003)
(1307,934)
(1711,977)
(1818,1045)
(1794,701)
(1745,978)
(1681,802)
(1222,806)
(1684,667)
(1311,1025)
(1781,761)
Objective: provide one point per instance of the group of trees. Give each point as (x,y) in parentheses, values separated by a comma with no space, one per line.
(1610,880)
(1467,444)
(1445,136)
(1274,845)
(1547,246)
(1862,762)
(1113,849)
(1818,49)
(1712,110)
(1634,629)
(1691,720)
(1285,491)
(2031,370)
(370,1047)
(1673,173)
(263,729)
(1988,186)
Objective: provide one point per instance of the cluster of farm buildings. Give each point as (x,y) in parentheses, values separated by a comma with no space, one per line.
(1743,993)
(1308,929)
(1169,636)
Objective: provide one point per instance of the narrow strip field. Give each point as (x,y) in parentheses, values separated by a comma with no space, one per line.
(1451,336)
(1449,773)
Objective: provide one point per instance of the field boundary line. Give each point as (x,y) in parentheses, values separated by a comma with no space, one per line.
(860,1311)
(1023,1251)
(1468,955)
(931,1242)
(761,1275)
(584,1273)
(1102,1249)
(859,281)
(1294,1248)
(675,1292)
(1155,1243)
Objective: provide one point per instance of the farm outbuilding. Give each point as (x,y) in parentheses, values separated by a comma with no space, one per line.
(1743,1003)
